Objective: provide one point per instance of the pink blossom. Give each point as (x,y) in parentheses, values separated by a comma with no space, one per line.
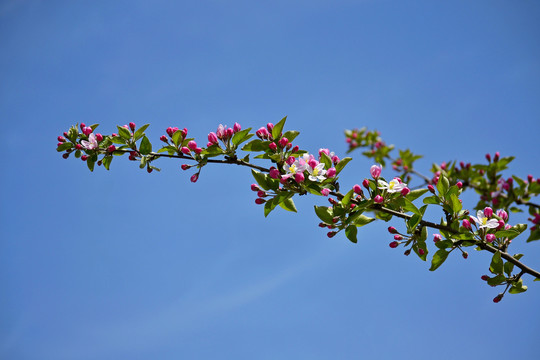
(437,237)
(212,138)
(87,130)
(230,133)
(466,224)
(405,191)
(488,212)
(378,199)
(365,183)
(83,125)
(459,184)
(132,126)
(236,127)
(111,148)
(392,230)
(61,139)
(274,173)
(272,146)
(490,238)
(299,177)
(221,132)
(375,171)
(194,177)
(431,189)
(262,133)
(270,127)
(255,187)
(290,160)
(335,160)
(283,142)
(325,191)
(326,151)
(91,143)
(185,150)
(192,145)
(331,172)
(398,237)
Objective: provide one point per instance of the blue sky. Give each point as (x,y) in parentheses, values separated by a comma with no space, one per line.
(124,264)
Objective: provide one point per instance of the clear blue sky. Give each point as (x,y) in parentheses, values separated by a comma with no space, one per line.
(127,265)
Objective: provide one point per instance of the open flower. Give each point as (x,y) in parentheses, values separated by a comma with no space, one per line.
(484,222)
(393,186)
(316,173)
(298,167)
(91,143)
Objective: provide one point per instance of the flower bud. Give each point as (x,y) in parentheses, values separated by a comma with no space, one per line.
(335,160)
(169,131)
(111,148)
(502,214)
(331,234)
(431,189)
(325,151)
(78,147)
(192,145)
(60,143)
(194,177)
(272,146)
(393,244)
(274,173)
(459,184)
(313,163)
(184,132)
(488,157)
(230,133)
(290,160)
(437,237)
(221,132)
(295,149)
(466,224)
(322,225)
(421,252)
(87,130)
(212,138)
(392,230)
(270,127)
(484,277)
(114,134)
(163,138)
(185,150)
(405,191)
(84,157)
(498,298)
(65,155)
(490,238)
(496,157)
(465,254)
(262,133)
(198,150)
(236,127)
(299,177)
(331,172)
(261,193)
(132,126)
(99,137)
(149,169)
(365,183)
(61,139)
(407,252)
(65,134)
(259,201)
(283,142)
(375,171)
(325,191)
(83,125)
(378,199)
(185,166)
(255,187)
(488,212)
(398,237)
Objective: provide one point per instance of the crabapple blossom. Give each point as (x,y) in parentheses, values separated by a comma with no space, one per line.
(316,173)
(393,244)
(91,144)
(392,230)
(357,189)
(488,212)
(331,172)
(274,173)
(483,220)
(393,186)
(502,214)
(299,177)
(375,171)
(437,237)
(325,191)
(490,238)
(299,166)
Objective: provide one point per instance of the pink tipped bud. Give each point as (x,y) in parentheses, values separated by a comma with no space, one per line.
(60,143)
(392,230)
(375,171)
(331,172)
(490,238)
(184,132)
(78,147)
(466,224)
(194,177)
(331,234)
(398,237)
(325,191)
(295,149)
(272,146)
(496,157)
(484,277)
(87,130)
(83,125)
(185,166)
(270,127)
(61,139)
(169,131)
(393,244)
(230,132)
(111,148)
(114,134)
(236,128)
(291,160)
(488,157)
(259,201)
(198,150)
(488,212)
(421,252)
(262,133)
(163,138)
(459,184)
(497,298)
(99,137)
(299,177)
(530,178)
(255,187)
(261,193)
(465,254)
(357,189)
(502,214)
(132,126)
(335,160)
(378,199)
(274,173)
(212,138)
(313,163)
(84,157)
(437,237)
(185,150)
(283,142)
(65,134)
(325,151)
(405,191)
(431,189)
(192,145)
(365,183)
(322,225)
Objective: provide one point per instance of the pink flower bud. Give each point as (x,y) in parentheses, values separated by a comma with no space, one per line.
(262,133)
(132,126)
(163,138)
(65,155)
(496,157)
(61,139)
(331,172)
(111,148)
(230,133)
(484,277)
(212,138)
(299,177)
(283,181)
(274,173)
(501,225)
(169,131)
(84,157)
(283,142)
(114,134)
(65,134)
(198,150)
(431,189)
(83,125)
(530,178)
(488,212)
(236,128)
(488,157)
(270,127)
(192,145)
(466,224)
(295,149)
(325,151)
(398,237)
(490,238)
(184,132)
(313,163)
(261,193)
(60,143)
(185,166)
(87,130)
(465,254)
(378,199)
(497,298)
(375,171)
(365,183)
(325,191)
(259,201)
(405,191)
(99,137)
(357,189)
(290,160)
(272,146)
(322,225)
(393,244)
(421,252)
(255,187)
(78,146)
(125,126)
(335,159)
(194,177)
(392,230)
(331,234)
(221,132)
(459,184)
(185,150)
(437,237)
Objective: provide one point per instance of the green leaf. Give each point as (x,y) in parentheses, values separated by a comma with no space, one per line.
(325,159)
(118,140)
(291,135)
(438,259)
(535,235)
(409,206)
(146,147)
(361,220)
(496,266)
(341,164)
(325,214)
(270,205)
(213,150)
(421,245)
(261,179)
(456,204)
(107,162)
(508,268)
(124,133)
(497,280)
(431,200)
(351,232)
(90,163)
(256,145)
(288,204)
(64,146)
(177,137)
(140,132)
(347,198)
(443,185)
(415,194)
(517,290)
(414,221)
(278,128)
(241,136)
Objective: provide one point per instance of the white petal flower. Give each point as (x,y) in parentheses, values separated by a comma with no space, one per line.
(393,186)
(483,222)
(91,144)
(296,167)
(317,173)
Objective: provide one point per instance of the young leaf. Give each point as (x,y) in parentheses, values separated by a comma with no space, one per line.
(288,204)
(324,213)
(140,132)
(351,232)
(415,194)
(124,133)
(261,179)
(438,259)
(496,266)
(278,128)
(146,147)
(341,164)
